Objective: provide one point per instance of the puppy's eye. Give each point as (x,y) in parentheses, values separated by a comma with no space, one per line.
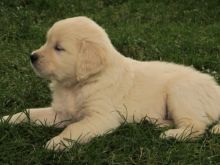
(58,48)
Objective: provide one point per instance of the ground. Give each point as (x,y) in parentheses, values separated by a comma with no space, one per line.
(183,31)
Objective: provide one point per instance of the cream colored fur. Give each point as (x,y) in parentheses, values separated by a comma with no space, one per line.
(93,86)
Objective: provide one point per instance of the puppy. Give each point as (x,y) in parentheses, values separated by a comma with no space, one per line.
(93,85)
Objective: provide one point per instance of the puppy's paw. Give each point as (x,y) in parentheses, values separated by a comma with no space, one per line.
(4,119)
(15,119)
(215,129)
(57,144)
(178,134)
(182,134)
(169,134)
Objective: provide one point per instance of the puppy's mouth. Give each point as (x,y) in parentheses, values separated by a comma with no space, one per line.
(36,69)
(41,72)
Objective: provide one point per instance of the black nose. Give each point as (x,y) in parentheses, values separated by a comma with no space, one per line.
(34,57)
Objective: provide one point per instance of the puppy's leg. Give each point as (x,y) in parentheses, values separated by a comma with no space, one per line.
(164,123)
(41,116)
(160,122)
(187,105)
(83,131)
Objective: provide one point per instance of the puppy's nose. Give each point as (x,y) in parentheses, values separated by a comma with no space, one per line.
(34,57)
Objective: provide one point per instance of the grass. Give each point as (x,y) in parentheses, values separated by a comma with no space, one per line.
(183,31)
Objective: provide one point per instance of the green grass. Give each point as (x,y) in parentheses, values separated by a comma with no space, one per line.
(183,31)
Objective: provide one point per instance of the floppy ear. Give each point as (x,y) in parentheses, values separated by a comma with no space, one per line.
(90,60)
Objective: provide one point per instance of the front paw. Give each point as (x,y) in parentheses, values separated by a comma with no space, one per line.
(15,119)
(58,144)
(4,118)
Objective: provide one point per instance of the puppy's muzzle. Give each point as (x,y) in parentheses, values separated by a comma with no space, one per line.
(34,57)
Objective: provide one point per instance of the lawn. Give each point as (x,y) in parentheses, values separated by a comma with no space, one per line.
(182,31)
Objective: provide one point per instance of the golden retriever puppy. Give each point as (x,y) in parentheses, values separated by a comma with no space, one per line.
(93,85)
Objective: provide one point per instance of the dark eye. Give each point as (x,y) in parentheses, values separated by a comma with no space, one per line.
(58,48)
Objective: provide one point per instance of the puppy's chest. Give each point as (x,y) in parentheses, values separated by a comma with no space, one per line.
(66,101)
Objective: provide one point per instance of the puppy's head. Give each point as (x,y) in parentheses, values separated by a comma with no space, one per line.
(76,48)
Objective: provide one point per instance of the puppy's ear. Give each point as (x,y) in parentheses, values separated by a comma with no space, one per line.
(91,60)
